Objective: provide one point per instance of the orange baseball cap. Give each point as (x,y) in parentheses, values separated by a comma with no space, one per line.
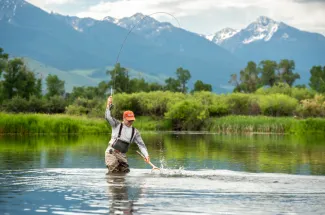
(128,115)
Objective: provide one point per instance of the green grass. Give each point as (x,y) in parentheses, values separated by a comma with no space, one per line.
(264,124)
(65,124)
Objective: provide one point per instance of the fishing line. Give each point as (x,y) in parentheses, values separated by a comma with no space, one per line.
(127,35)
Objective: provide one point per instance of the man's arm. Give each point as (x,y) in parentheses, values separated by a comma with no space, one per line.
(112,121)
(138,140)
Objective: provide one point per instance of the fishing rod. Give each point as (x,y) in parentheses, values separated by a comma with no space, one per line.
(117,60)
(127,35)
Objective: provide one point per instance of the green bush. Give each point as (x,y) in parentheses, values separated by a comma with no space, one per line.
(187,115)
(277,105)
(238,103)
(76,110)
(279,88)
(55,104)
(17,105)
(302,93)
(36,105)
(216,104)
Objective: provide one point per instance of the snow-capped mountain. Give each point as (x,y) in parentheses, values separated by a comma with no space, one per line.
(269,39)
(142,24)
(222,35)
(262,29)
(70,43)
(79,24)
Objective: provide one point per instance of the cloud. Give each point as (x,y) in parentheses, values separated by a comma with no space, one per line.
(310,1)
(42,3)
(201,16)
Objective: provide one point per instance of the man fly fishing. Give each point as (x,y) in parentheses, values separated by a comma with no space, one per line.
(123,134)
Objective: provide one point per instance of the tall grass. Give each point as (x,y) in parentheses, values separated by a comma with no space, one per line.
(264,124)
(64,124)
(50,124)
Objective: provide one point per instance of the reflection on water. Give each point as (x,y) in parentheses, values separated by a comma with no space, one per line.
(201,174)
(118,193)
(251,153)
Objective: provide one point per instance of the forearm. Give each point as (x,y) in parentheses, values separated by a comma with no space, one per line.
(112,121)
(138,140)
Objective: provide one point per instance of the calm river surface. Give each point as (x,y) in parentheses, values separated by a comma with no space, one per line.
(200,174)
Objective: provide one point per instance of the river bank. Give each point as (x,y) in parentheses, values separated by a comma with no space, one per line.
(65,124)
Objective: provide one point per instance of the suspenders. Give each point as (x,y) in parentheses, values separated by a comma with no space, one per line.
(120,131)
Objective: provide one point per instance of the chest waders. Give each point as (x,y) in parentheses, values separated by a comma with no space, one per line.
(121,145)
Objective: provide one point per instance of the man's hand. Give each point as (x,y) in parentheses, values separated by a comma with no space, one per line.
(147,159)
(109,101)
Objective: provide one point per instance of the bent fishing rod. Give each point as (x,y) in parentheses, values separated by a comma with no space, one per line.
(127,35)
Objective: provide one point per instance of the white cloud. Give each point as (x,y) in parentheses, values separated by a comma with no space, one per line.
(50,2)
(206,16)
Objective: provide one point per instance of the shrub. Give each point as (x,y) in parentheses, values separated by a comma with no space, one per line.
(312,107)
(187,115)
(17,104)
(238,103)
(302,93)
(277,105)
(279,88)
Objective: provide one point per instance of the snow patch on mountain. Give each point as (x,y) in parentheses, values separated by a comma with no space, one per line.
(262,29)
(142,24)
(8,8)
(222,35)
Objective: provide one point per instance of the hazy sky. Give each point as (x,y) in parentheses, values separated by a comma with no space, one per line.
(200,16)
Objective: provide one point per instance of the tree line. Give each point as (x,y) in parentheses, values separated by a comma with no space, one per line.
(270,73)
(21,89)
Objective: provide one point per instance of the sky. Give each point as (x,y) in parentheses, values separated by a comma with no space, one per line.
(199,16)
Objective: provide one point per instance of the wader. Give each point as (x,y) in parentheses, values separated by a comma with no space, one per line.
(115,158)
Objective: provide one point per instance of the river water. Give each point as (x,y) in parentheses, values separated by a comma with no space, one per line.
(200,174)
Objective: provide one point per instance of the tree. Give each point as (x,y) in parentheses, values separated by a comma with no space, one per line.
(155,87)
(55,86)
(183,76)
(3,65)
(38,88)
(119,79)
(268,76)
(286,74)
(3,61)
(249,80)
(18,80)
(138,85)
(172,85)
(317,79)
(102,89)
(234,81)
(200,86)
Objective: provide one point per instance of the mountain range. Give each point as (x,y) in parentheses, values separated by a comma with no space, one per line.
(155,48)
